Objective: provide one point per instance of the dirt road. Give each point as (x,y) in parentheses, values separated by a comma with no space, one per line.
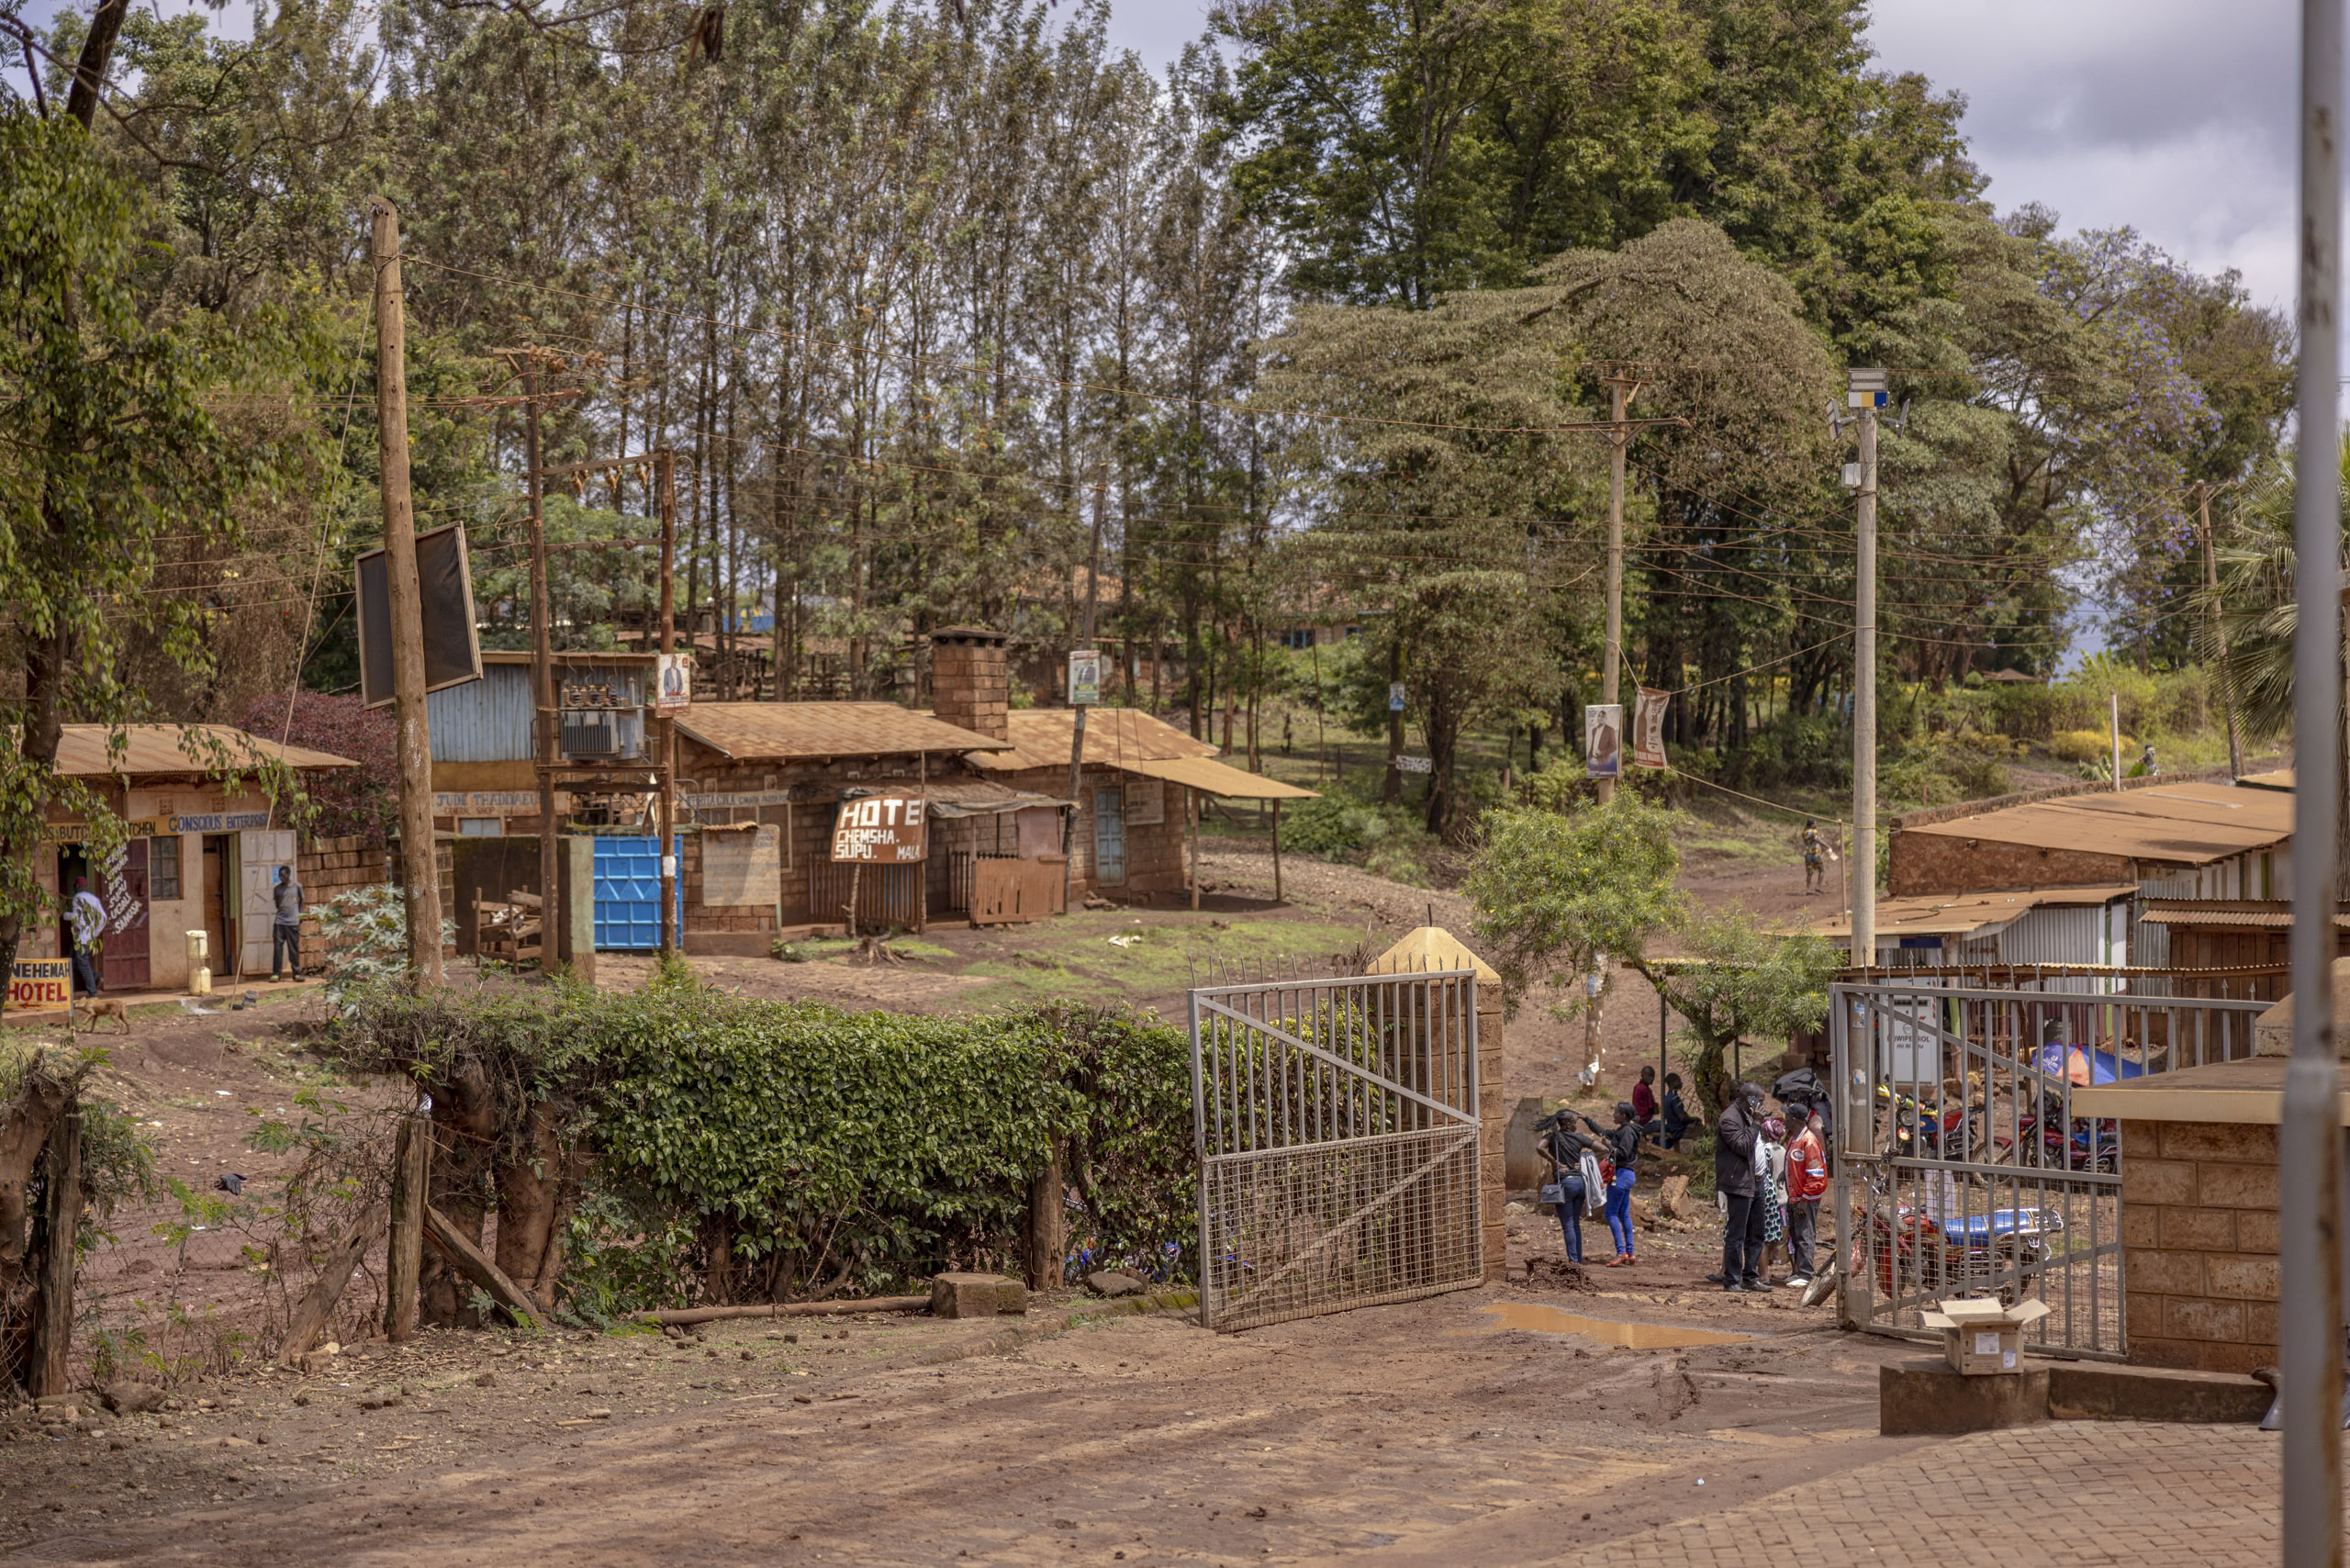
(1428,1430)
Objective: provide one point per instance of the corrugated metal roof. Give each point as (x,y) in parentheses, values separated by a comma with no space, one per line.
(1218,778)
(490,720)
(1962,914)
(982,797)
(787,731)
(2276,778)
(85,751)
(2271,914)
(1114,737)
(2189,823)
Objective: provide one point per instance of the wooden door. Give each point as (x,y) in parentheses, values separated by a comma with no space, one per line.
(221,958)
(123,961)
(1109,837)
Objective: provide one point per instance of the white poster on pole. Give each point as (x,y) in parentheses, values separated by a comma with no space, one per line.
(675,689)
(1603,740)
(1084,677)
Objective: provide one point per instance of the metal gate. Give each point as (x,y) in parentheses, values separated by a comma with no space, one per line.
(1336,1122)
(628,894)
(1959,1166)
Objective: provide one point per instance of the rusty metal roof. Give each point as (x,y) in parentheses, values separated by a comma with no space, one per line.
(1216,777)
(2276,778)
(87,751)
(1114,737)
(790,731)
(2185,824)
(1961,915)
(2266,915)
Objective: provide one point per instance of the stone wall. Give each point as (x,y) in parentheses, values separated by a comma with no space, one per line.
(327,867)
(1923,863)
(2199,1236)
(1492,1116)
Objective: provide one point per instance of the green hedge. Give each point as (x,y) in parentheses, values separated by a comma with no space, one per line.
(833,1152)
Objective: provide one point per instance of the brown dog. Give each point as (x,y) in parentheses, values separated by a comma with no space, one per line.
(96,1007)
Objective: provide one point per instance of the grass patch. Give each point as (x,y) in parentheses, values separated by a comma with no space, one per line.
(1074,956)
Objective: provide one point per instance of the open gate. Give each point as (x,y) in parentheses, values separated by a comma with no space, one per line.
(1337,1127)
(1961,1168)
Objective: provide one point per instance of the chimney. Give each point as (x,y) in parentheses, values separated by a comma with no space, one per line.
(970,680)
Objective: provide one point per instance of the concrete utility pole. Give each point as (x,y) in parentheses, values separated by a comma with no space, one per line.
(1077,728)
(1867,394)
(2219,634)
(419,874)
(546,720)
(667,480)
(2309,1134)
(1621,390)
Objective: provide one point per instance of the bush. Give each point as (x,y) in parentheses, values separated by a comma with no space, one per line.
(1332,826)
(2086,746)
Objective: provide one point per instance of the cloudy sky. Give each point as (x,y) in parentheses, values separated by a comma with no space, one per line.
(2173,117)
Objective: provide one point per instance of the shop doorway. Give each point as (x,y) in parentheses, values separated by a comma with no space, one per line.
(219,904)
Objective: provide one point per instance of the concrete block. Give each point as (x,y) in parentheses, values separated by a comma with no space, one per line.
(976,1296)
(2090,1391)
(2157,1182)
(2256,1230)
(1925,1396)
(2171,1273)
(2231,1274)
(2236,1186)
(2198,1317)
(2194,1230)
(2235,1142)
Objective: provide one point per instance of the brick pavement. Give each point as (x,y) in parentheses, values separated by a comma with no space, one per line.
(2071,1492)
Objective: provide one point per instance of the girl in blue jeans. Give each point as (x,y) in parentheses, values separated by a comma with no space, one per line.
(1565,1148)
(1623,1143)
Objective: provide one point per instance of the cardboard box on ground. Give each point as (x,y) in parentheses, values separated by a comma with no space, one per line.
(1983,1336)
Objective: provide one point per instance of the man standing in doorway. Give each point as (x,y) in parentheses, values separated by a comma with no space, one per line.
(285,931)
(89,929)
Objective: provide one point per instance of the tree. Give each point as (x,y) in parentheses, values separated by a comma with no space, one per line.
(362,800)
(1559,894)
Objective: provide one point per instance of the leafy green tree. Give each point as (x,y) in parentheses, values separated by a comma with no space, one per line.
(1561,894)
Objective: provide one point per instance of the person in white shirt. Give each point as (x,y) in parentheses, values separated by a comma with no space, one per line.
(89,926)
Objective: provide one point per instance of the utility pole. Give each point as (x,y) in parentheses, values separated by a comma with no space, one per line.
(666,461)
(545,719)
(1077,730)
(2309,1132)
(420,875)
(2218,632)
(1867,394)
(1620,391)
(1392,790)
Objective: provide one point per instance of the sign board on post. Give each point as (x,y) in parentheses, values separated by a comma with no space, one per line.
(1415,764)
(1648,729)
(452,644)
(674,682)
(1603,740)
(1084,677)
(37,985)
(1394,696)
(887,830)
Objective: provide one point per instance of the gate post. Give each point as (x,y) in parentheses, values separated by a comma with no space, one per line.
(1848,1235)
(62,1218)
(1492,1129)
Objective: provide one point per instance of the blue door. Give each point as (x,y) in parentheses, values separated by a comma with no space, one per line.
(628,895)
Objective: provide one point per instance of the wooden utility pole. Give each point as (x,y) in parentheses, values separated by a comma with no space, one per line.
(666,461)
(1391,788)
(546,719)
(2218,634)
(1077,730)
(419,874)
(1620,388)
(52,1369)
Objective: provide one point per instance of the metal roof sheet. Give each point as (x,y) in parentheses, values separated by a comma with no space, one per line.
(1960,915)
(982,797)
(2276,778)
(1114,737)
(2189,823)
(2271,914)
(85,751)
(788,731)
(1218,778)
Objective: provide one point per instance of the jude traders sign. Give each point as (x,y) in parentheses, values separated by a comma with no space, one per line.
(887,830)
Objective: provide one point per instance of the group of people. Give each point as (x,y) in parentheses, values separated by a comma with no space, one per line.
(1771,1171)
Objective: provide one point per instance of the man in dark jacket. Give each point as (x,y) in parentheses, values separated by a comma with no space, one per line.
(1735,1136)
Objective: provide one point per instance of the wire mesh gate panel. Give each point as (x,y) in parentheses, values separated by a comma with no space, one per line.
(1961,1168)
(1337,1127)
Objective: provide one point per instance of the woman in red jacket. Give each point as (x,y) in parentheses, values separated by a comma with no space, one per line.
(1806,1184)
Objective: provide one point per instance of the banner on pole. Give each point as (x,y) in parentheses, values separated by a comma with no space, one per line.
(675,691)
(1084,677)
(1648,729)
(1603,740)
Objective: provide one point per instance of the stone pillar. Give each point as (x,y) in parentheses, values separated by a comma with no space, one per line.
(970,680)
(2198,1241)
